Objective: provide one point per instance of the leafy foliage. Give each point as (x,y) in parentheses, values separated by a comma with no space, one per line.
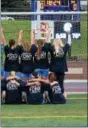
(11,5)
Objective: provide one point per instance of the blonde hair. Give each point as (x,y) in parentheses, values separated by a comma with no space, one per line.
(58,43)
(26,46)
(12,73)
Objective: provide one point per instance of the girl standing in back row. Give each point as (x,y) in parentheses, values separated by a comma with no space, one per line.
(26,58)
(12,54)
(58,63)
(41,61)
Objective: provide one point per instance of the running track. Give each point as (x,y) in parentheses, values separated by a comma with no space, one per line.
(78,87)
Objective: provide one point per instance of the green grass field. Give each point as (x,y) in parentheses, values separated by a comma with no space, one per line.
(11,29)
(74,113)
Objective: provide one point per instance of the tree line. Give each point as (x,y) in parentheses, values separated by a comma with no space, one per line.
(15,5)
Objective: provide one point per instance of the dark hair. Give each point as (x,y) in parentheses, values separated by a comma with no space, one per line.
(35,74)
(52,76)
(40,43)
(12,42)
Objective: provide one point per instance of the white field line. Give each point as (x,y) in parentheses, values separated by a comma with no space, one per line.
(69,93)
(76,81)
(40,117)
(74,98)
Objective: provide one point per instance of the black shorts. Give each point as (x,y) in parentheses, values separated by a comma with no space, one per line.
(35,99)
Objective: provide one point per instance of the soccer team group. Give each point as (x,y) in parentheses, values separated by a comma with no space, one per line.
(34,72)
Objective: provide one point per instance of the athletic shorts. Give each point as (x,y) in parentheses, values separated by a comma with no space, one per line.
(35,99)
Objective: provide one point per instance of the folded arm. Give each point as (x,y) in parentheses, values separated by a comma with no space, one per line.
(32,83)
(40,80)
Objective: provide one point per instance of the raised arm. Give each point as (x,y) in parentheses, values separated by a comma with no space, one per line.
(3,40)
(69,40)
(20,37)
(32,37)
(67,29)
(47,40)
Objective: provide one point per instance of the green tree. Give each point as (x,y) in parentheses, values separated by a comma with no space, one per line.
(14,4)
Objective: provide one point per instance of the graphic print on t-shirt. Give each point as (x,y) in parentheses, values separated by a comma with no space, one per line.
(35,89)
(26,56)
(42,55)
(11,86)
(56,89)
(60,53)
(12,56)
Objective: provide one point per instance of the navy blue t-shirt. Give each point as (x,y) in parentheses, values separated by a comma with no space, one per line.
(27,65)
(57,96)
(42,63)
(58,60)
(12,58)
(34,95)
(13,92)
